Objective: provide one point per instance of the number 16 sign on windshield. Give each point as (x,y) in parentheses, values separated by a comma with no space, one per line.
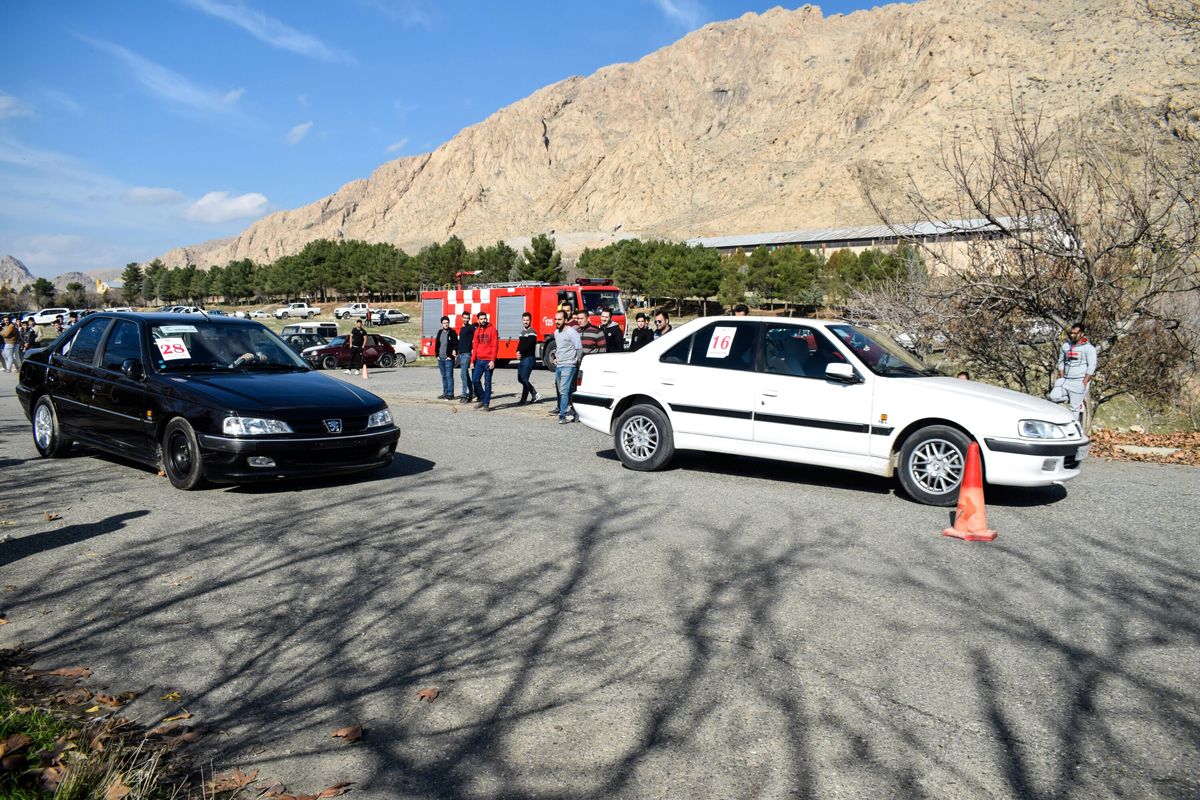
(721,341)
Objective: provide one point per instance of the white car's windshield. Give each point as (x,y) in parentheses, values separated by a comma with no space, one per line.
(193,345)
(882,355)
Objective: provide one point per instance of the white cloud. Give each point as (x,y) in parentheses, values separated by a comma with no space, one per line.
(299,132)
(12,107)
(151,196)
(168,84)
(397,146)
(302,99)
(50,255)
(688,13)
(220,207)
(63,100)
(270,30)
(409,13)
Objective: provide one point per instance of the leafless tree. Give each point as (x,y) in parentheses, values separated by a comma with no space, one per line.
(1096,221)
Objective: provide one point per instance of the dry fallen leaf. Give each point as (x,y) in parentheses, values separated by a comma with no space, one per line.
(183,714)
(351,733)
(172,697)
(13,763)
(74,697)
(66,672)
(233,781)
(3,619)
(337,790)
(14,743)
(116,789)
(109,700)
(10,587)
(162,473)
(91,710)
(52,515)
(429,694)
(50,777)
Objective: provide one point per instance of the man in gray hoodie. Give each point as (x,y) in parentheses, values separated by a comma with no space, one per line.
(1076,366)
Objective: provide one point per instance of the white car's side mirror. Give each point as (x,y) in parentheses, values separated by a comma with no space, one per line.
(841,372)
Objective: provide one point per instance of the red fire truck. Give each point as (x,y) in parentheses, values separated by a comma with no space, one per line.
(506,302)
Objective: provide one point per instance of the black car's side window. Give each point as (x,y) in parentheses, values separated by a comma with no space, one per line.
(123,342)
(726,345)
(797,350)
(83,345)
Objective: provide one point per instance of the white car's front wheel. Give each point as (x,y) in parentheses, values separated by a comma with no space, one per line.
(643,438)
(932,463)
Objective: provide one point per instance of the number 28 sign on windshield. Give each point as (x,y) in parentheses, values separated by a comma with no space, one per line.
(172,349)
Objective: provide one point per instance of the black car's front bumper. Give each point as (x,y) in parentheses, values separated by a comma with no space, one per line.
(226,459)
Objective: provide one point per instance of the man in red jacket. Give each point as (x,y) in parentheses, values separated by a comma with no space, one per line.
(483,361)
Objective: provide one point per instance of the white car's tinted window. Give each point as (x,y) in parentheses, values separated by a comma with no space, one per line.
(798,350)
(726,345)
(82,346)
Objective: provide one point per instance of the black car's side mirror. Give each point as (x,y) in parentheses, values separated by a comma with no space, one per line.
(132,367)
(842,373)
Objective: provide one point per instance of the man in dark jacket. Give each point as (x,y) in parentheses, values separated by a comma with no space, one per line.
(526,349)
(614,337)
(445,347)
(358,335)
(466,341)
(642,335)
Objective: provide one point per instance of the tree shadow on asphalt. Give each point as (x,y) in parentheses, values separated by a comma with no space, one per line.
(696,677)
(24,546)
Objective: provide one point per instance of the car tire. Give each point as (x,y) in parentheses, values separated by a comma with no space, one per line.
(401,361)
(932,462)
(548,350)
(181,455)
(329,362)
(284,315)
(309,315)
(47,435)
(643,438)
(386,360)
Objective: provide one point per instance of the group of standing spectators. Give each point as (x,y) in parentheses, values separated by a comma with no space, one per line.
(20,337)
(472,349)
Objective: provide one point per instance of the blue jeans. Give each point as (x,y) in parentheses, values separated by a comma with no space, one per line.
(464,366)
(524,370)
(446,367)
(482,381)
(564,379)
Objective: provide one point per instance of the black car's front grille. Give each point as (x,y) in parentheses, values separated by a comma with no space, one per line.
(317,427)
(330,457)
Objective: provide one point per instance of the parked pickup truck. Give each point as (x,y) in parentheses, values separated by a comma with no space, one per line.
(296,310)
(352,310)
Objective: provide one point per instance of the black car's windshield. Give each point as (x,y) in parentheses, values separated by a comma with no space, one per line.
(197,345)
(881,355)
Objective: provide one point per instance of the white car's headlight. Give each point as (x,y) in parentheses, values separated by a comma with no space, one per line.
(254,426)
(1037,429)
(379,419)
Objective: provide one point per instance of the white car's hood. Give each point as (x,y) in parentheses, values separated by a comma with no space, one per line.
(1027,406)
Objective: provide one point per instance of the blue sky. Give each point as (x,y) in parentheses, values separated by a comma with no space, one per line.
(128,127)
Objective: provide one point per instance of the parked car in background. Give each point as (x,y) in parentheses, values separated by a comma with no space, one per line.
(825,393)
(325,329)
(121,309)
(203,399)
(299,342)
(336,353)
(187,310)
(258,313)
(303,310)
(405,352)
(352,310)
(388,316)
(48,315)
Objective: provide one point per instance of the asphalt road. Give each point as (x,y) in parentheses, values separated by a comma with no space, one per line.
(728,628)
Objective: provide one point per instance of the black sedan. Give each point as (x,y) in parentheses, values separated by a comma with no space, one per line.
(217,399)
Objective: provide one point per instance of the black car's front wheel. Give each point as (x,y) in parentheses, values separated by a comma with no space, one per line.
(47,435)
(643,438)
(181,455)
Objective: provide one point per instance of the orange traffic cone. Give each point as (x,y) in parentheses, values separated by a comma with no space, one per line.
(364,371)
(970,520)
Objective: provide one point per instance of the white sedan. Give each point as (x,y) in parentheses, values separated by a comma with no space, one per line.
(405,352)
(821,392)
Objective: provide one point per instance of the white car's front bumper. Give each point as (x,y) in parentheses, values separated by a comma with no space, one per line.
(1020,462)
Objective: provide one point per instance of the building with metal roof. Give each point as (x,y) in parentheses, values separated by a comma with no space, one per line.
(859,238)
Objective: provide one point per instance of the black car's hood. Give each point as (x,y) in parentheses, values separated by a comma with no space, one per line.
(279,393)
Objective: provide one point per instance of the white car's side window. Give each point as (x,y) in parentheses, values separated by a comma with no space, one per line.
(726,345)
(798,350)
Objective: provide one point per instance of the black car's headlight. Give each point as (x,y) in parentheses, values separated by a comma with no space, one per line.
(254,426)
(379,419)
(1037,429)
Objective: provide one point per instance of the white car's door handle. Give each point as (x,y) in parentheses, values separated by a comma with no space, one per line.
(668,383)
(770,394)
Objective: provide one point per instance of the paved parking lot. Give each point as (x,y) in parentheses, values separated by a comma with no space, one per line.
(726,628)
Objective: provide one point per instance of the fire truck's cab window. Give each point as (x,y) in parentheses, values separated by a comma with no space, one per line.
(597,300)
(567,297)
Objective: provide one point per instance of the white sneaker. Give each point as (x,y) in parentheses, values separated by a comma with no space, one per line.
(346,371)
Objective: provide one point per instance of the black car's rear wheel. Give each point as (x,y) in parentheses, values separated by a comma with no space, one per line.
(329,362)
(181,455)
(386,360)
(47,435)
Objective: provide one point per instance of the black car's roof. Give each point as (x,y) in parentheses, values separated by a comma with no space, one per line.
(156,317)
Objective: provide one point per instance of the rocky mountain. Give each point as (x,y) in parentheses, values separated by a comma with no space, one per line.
(13,273)
(755,124)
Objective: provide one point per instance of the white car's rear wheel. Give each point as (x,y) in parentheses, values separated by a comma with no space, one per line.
(643,438)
